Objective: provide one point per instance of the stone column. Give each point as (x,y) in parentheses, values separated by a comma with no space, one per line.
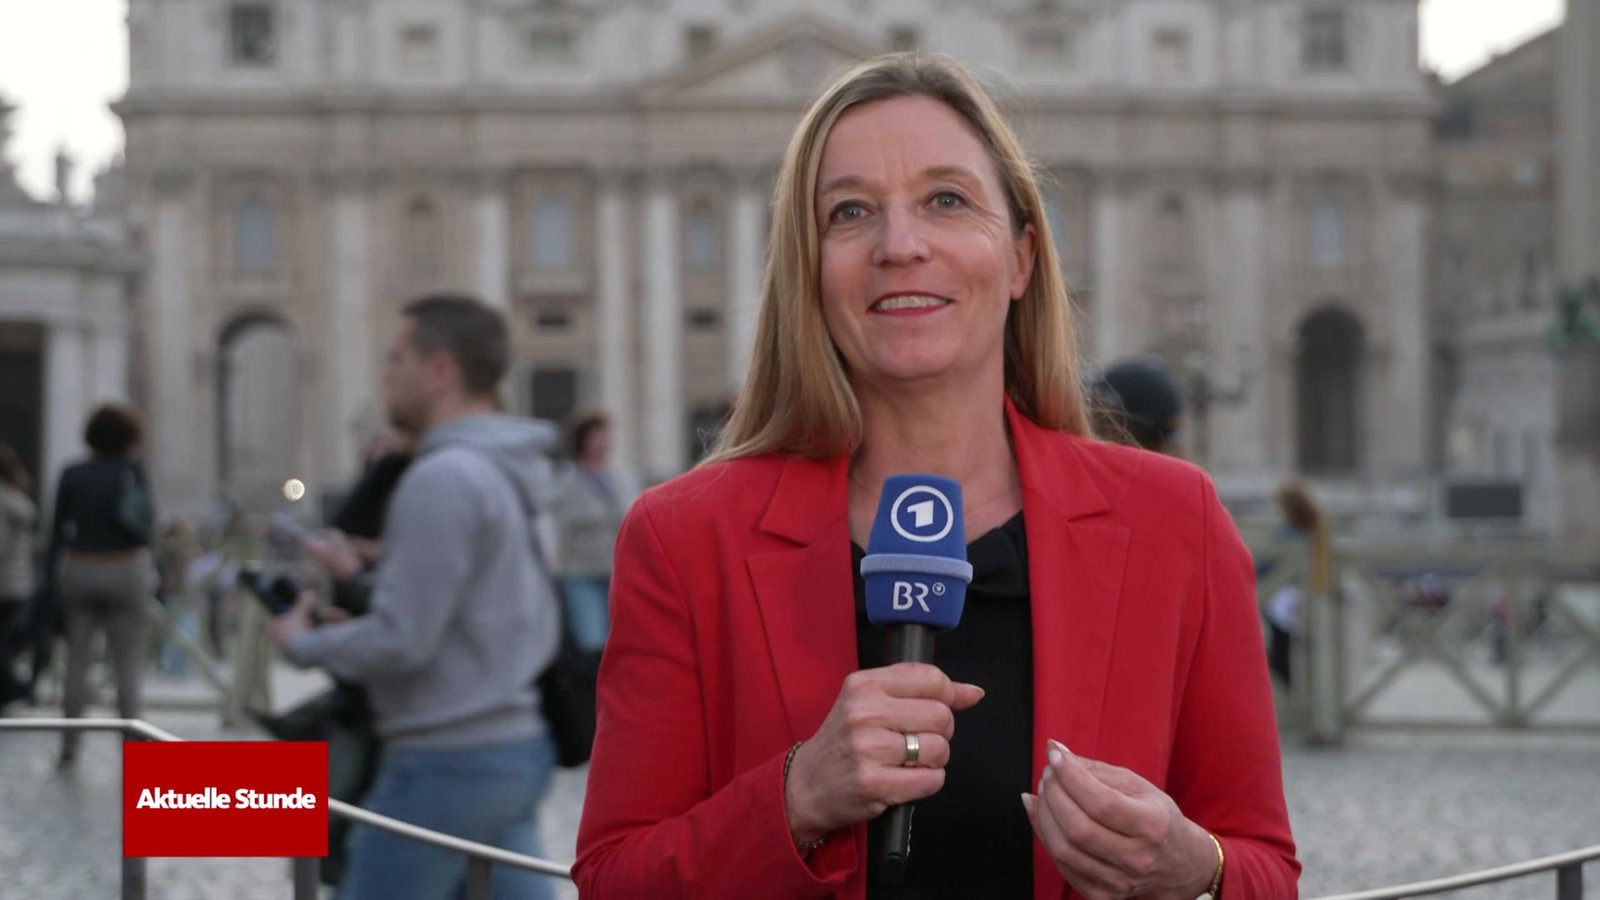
(1239,436)
(1578,148)
(1578,259)
(64,408)
(351,344)
(110,347)
(746,261)
(1407,386)
(181,440)
(614,331)
(1280,354)
(494,241)
(1112,295)
(666,429)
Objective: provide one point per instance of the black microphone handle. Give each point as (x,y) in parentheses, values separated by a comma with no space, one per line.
(907,643)
(911,642)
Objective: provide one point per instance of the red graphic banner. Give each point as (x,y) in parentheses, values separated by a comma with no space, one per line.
(224,798)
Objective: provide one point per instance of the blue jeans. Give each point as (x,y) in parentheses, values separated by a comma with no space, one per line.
(489,794)
(588,610)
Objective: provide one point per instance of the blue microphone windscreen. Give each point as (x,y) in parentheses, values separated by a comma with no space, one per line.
(916,568)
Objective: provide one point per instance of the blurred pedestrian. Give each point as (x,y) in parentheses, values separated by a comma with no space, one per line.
(19,519)
(100,557)
(1303,523)
(1138,403)
(591,498)
(463,618)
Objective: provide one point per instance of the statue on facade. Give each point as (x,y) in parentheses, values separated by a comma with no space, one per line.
(1577,315)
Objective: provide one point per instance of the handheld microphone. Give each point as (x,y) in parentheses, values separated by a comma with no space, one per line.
(916,574)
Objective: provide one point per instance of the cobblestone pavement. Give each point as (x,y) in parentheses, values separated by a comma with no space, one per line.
(1386,808)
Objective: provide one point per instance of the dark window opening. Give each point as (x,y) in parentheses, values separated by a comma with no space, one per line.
(553,394)
(252,36)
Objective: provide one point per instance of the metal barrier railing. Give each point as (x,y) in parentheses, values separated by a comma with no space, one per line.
(1568,867)
(481,858)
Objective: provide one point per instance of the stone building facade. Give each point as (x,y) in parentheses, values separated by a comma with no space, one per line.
(1495,275)
(67,278)
(1241,187)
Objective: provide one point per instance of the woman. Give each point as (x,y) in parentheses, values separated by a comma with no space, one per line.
(1108,668)
(101,537)
(588,507)
(1302,523)
(18,520)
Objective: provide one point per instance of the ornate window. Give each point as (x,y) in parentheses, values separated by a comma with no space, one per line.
(424,239)
(699,41)
(252,34)
(1174,240)
(903,38)
(552,44)
(702,243)
(1049,47)
(1327,234)
(1323,41)
(1170,54)
(419,48)
(255,237)
(552,231)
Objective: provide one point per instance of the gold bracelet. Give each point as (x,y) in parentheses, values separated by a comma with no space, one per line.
(1215,891)
(803,846)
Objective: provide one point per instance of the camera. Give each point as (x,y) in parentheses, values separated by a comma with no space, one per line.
(276,592)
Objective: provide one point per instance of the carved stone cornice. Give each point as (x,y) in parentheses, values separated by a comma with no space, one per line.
(1411,184)
(1243,180)
(344,179)
(171,181)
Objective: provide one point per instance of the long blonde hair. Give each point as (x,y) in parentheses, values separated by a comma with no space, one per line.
(797,397)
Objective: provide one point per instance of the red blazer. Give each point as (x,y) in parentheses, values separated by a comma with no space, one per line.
(733,628)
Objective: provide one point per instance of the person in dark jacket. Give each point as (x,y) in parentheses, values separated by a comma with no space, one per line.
(101,561)
(1139,403)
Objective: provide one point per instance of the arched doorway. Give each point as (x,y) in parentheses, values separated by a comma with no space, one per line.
(258,417)
(1330,380)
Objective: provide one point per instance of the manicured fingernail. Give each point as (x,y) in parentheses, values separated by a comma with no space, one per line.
(1044,779)
(1027,802)
(1058,747)
(981,691)
(1055,757)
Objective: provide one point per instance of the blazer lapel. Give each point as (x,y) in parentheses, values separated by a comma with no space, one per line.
(1075,562)
(806,591)
(1075,568)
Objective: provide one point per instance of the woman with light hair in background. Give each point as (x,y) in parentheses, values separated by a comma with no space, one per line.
(1302,522)
(587,509)
(1101,722)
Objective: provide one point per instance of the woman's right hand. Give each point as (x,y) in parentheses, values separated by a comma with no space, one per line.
(854,767)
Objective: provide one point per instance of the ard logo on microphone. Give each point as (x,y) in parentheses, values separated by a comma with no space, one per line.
(922,514)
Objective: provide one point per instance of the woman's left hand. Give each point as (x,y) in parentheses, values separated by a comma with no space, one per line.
(1114,834)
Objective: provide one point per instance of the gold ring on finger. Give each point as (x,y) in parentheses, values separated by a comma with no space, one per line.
(913,749)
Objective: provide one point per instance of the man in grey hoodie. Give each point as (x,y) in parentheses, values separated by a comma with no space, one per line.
(463,617)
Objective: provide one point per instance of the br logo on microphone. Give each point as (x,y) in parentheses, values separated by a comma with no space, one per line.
(922,514)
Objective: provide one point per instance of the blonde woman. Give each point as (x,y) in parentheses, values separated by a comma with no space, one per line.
(1101,721)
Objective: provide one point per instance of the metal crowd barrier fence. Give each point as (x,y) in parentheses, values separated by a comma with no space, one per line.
(481,858)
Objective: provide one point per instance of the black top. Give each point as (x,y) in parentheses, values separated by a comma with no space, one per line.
(362,513)
(87,503)
(972,839)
